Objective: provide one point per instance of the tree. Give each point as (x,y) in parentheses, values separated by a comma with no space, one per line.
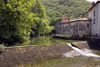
(16,19)
(42,24)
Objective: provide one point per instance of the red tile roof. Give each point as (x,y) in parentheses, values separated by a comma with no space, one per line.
(84,19)
(93,6)
(79,19)
(64,20)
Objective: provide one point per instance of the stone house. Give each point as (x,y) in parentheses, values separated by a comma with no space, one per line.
(74,27)
(81,26)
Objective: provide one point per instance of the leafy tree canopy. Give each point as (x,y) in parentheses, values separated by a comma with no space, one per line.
(18,17)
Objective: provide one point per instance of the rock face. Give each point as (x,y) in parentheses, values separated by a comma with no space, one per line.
(30,54)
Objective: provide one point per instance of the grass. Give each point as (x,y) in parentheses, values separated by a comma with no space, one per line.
(66,62)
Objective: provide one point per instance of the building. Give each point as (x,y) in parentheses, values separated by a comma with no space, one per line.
(94,14)
(77,27)
(80,26)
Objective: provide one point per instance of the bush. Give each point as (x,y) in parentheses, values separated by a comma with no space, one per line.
(86,34)
(2,47)
(94,35)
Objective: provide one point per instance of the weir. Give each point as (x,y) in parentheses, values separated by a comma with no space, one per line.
(78,51)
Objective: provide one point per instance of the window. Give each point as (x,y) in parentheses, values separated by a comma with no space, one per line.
(76,24)
(94,13)
(94,21)
(87,25)
(66,27)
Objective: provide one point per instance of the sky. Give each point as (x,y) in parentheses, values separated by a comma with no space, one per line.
(92,0)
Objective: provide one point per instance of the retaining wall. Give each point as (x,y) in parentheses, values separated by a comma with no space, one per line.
(13,56)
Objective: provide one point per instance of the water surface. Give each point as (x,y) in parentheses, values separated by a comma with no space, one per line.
(43,40)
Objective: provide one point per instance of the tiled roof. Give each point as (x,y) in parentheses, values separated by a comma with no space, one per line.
(93,6)
(79,19)
(64,20)
(84,19)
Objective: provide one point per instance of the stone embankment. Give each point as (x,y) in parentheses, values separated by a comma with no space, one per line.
(13,56)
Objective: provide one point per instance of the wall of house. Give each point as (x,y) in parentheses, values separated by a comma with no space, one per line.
(99,17)
(84,27)
(57,27)
(94,27)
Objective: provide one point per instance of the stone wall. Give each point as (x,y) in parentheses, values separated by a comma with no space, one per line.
(14,56)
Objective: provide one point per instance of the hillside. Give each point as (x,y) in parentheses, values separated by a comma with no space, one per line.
(66,8)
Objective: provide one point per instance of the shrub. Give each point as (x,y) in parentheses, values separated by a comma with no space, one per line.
(94,35)
(2,47)
(86,34)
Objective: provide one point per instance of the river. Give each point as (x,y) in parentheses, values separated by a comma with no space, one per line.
(43,40)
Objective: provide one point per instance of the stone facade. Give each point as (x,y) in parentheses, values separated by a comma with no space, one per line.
(74,27)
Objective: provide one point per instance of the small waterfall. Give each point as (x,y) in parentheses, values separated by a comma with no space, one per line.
(82,52)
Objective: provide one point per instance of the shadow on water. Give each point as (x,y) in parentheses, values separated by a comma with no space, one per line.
(43,40)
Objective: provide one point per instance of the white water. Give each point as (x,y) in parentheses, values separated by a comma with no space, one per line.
(82,52)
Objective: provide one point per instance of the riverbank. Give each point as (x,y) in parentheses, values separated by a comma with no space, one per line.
(68,37)
(15,56)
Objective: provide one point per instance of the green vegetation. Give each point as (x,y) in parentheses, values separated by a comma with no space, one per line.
(66,8)
(21,18)
(64,35)
(66,62)
(90,35)
(86,34)
(2,47)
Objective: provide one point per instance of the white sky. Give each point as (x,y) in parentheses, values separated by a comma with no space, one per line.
(92,0)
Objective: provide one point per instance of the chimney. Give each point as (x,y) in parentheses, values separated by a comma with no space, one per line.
(93,3)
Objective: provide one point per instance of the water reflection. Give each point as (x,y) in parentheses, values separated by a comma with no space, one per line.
(43,40)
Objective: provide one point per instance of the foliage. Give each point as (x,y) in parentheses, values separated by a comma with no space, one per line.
(66,8)
(42,24)
(91,35)
(66,62)
(94,35)
(15,19)
(19,17)
(86,34)
(2,47)
(63,35)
